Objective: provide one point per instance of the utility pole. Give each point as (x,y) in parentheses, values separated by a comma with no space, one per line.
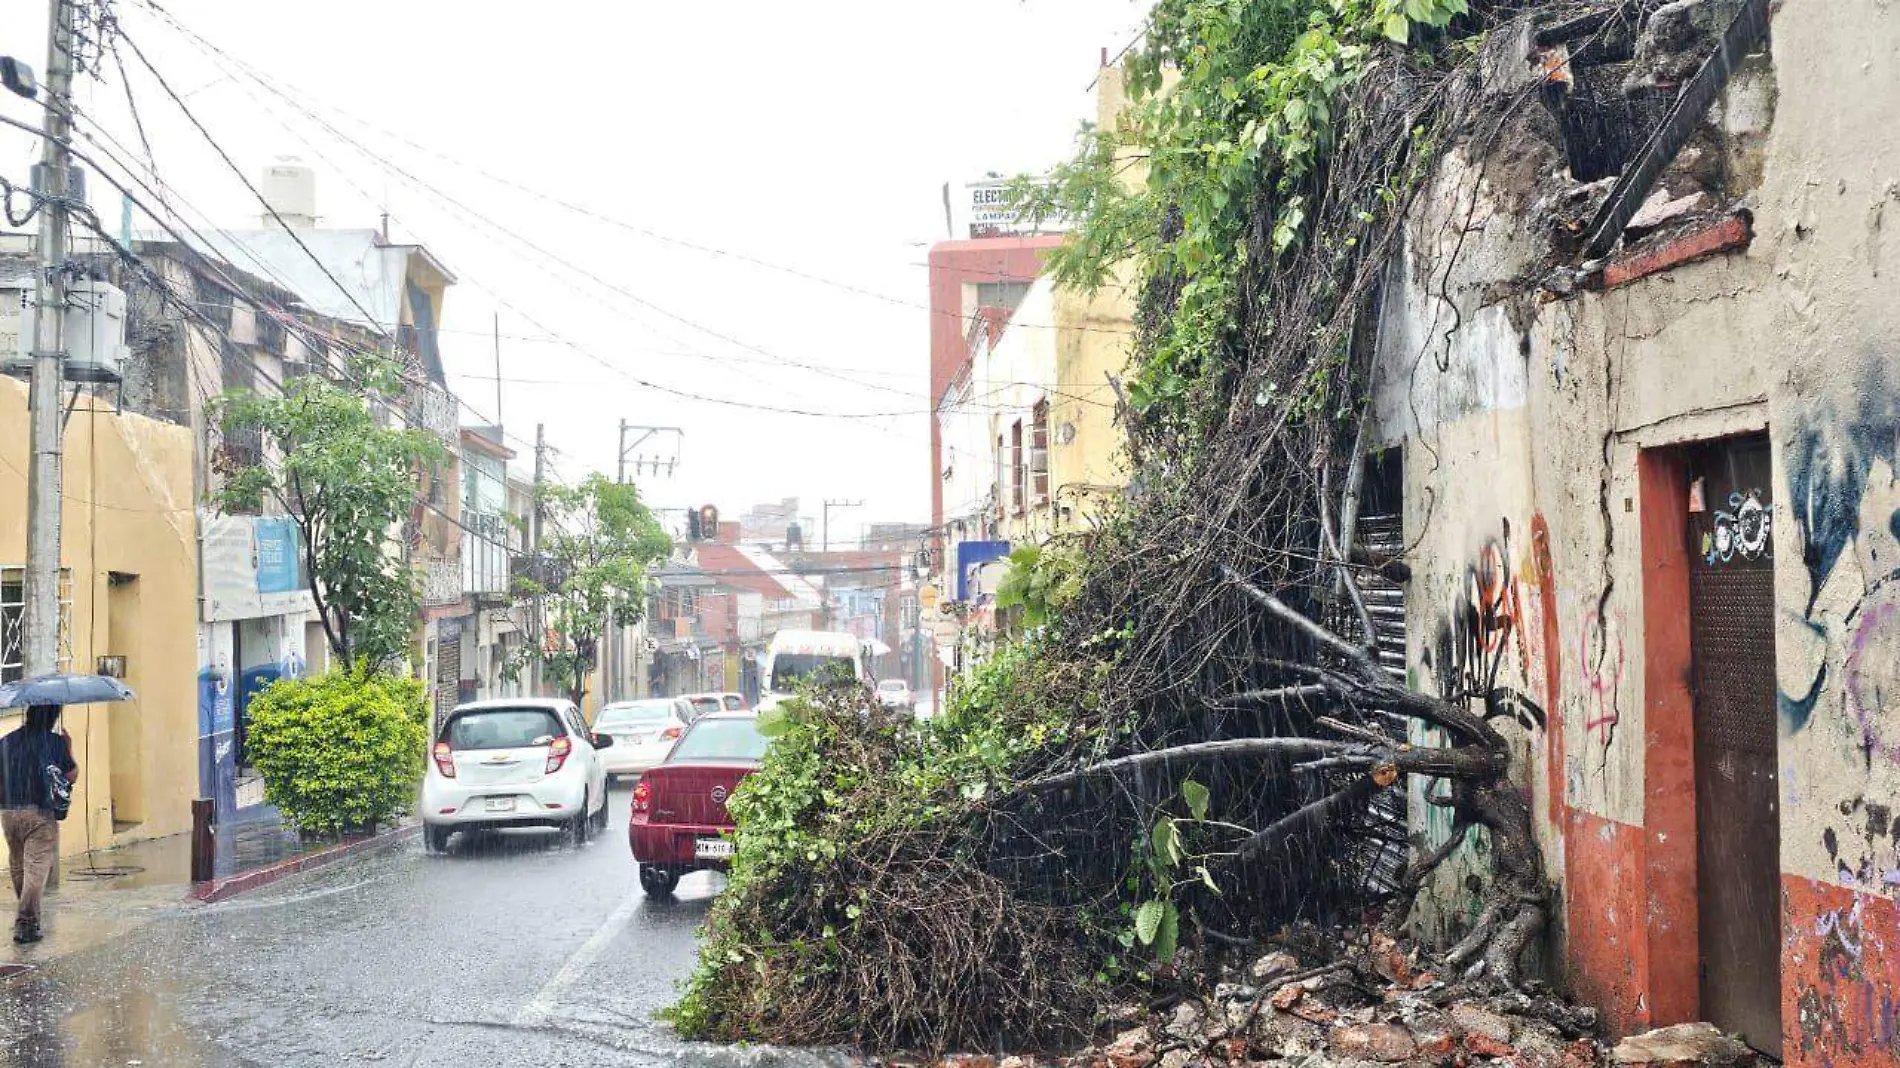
(41,645)
(534,548)
(825,533)
(646,433)
(498,421)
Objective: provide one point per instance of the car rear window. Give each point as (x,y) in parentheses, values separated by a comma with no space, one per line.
(892,686)
(643,712)
(503,728)
(721,739)
(734,702)
(705,704)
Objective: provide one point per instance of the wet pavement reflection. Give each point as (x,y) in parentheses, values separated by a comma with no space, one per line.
(516,948)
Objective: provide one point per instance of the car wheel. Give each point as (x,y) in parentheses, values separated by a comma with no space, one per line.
(658,882)
(600,818)
(437,837)
(578,827)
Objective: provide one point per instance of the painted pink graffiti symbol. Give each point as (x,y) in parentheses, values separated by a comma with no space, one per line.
(1600,672)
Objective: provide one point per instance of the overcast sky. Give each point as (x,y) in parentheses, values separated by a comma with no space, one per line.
(816,137)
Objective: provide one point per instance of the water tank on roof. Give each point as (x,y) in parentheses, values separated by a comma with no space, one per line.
(290,188)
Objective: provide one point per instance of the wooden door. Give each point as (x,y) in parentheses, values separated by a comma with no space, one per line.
(1732,645)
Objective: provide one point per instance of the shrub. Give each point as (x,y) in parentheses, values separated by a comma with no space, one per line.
(340,751)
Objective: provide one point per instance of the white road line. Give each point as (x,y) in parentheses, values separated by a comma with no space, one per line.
(536,1011)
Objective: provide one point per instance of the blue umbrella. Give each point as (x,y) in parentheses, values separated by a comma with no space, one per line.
(63,688)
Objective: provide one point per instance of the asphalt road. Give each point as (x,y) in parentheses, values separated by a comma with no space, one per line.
(515,949)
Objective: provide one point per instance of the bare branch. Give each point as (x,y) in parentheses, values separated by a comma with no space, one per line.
(1283,693)
(1343,569)
(1299,622)
(1308,818)
(1198,752)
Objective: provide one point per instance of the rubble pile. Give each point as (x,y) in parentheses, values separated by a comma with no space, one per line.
(1377,1009)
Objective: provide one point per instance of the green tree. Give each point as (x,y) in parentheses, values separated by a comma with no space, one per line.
(597,542)
(347,481)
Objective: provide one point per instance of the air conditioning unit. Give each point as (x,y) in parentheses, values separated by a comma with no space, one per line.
(94,334)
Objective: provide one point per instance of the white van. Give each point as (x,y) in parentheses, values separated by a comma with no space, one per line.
(795,654)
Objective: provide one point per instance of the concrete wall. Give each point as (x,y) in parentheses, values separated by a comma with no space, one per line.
(1532,429)
(129,539)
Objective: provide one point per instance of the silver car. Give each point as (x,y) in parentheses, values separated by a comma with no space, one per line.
(643,732)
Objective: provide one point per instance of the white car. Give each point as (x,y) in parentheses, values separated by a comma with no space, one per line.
(643,732)
(515,762)
(895,693)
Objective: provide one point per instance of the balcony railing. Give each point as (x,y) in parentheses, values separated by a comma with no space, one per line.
(485,555)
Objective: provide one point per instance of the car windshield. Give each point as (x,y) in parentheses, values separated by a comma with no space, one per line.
(734,702)
(503,728)
(790,669)
(703,705)
(639,713)
(721,739)
(892,686)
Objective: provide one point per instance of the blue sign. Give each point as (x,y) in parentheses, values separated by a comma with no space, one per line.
(277,555)
(972,553)
(216,714)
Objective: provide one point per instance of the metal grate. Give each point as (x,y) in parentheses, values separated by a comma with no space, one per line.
(13,621)
(1382,856)
(1732,633)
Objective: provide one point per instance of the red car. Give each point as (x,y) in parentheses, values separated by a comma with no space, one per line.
(679,821)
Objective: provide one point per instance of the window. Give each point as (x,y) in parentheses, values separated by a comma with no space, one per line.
(737,738)
(503,728)
(13,622)
(1001,489)
(1019,471)
(1039,454)
(1005,295)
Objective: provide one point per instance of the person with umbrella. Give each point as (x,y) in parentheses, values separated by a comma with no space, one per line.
(31,807)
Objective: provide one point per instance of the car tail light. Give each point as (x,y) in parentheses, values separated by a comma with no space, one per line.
(642,798)
(557,754)
(445,760)
(669,734)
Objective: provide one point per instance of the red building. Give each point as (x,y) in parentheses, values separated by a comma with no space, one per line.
(991,272)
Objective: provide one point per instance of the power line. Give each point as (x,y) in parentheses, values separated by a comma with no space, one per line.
(579,209)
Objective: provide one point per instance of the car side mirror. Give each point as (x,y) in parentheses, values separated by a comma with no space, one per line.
(602,741)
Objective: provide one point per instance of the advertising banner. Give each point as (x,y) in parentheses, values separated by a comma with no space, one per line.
(253,567)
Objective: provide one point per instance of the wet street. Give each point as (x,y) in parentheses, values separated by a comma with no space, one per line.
(515,949)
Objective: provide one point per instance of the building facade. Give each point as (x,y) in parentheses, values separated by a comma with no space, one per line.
(1654,489)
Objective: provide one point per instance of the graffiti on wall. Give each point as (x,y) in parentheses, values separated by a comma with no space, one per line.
(1742,530)
(1600,673)
(1483,632)
(1842,462)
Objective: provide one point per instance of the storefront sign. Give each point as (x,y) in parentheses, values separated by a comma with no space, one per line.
(993,213)
(252,568)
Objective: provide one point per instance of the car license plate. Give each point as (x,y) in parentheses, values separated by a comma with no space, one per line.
(501,804)
(712,847)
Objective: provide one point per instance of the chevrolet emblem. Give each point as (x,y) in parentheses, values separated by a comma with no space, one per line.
(719,794)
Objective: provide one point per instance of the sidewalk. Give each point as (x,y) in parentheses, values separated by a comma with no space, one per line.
(105,893)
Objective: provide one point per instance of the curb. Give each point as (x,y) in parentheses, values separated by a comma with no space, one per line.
(231,886)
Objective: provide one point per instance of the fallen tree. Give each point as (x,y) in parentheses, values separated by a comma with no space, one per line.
(1199,744)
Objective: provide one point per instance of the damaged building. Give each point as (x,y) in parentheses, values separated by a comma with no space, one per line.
(1637,386)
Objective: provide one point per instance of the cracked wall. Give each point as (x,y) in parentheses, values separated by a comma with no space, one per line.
(1526,419)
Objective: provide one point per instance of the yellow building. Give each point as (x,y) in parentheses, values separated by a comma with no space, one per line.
(129,552)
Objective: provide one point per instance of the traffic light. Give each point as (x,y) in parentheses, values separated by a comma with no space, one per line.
(708,521)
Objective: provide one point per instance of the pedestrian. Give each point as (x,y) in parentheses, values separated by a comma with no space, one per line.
(30,809)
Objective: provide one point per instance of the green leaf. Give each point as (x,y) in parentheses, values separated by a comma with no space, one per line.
(1164,843)
(1398,29)
(1196,797)
(1207,877)
(1167,932)
(773,722)
(1149,917)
